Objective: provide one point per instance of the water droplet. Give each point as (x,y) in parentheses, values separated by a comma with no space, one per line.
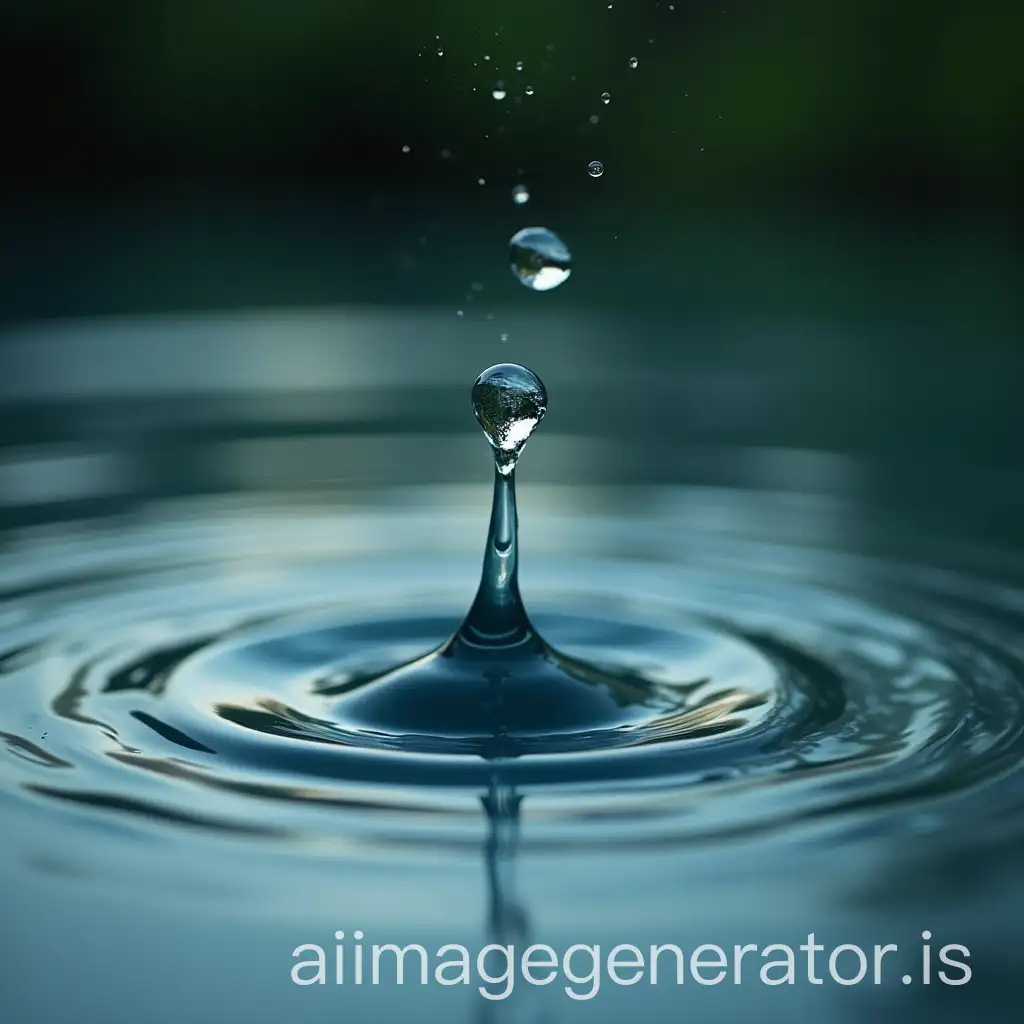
(504,335)
(446,154)
(633,62)
(509,401)
(529,90)
(406,149)
(595,168)
(520,195)
(594,119)
(440,52)
(487,56)
(519,65)
(606,98)
(540,259)
(459,312)
(476,286)
(498,92)
(481,181)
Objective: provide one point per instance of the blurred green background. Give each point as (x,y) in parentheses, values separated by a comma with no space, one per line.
(788,158)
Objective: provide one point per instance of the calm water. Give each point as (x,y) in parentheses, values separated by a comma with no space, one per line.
(818,657)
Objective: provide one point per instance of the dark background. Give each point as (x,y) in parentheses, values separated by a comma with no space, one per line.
(785,158)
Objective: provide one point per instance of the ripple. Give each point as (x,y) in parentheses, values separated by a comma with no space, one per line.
(208,678)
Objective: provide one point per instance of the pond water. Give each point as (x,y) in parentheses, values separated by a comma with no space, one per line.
(789,679)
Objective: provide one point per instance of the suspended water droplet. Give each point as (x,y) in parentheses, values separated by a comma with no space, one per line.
(406,149)
(606,98)
(519,65)
(595,168)
(540,259)
(520,195)
(529,90)
(481,181)
(509,401)
(504,335)
(498,92)
(633,62)
(459,312)
(594,119)
(487,56)
(440,52)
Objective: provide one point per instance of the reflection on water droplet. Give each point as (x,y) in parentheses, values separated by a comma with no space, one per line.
(633,62)
(606,98)
(509,401)
(520,195)
(498,92)
(540,259)
(595,168)
(529,90)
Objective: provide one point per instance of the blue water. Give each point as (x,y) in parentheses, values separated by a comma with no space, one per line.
(815,723)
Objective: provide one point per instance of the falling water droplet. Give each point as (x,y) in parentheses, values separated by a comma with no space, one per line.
(540,259)
(509,401)
(529,90)
(520,195)
(440,52)
(633,62)
(606,98)
(595,168)
(498,92)
(519,65)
